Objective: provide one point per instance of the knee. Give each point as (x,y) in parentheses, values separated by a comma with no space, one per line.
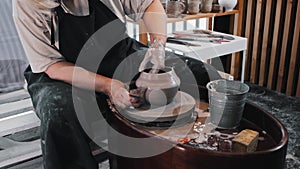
(53,101)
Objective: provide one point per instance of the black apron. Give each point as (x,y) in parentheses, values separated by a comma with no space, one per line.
(74,31)
(64,143)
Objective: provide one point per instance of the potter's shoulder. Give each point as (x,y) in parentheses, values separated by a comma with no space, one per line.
(22,8)
(22,4)
(29,6)
(32,9)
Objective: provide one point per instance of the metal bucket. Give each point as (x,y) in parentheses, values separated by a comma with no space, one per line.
(226,102)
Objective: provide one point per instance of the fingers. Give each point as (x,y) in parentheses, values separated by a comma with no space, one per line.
(137,97)
(135,102)
(121,98)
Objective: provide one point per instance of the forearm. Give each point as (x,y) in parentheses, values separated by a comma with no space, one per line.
(78,77)
(155,20)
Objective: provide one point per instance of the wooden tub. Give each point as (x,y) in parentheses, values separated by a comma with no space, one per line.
(270,153)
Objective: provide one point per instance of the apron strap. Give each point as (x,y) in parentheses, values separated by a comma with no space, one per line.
(54,29)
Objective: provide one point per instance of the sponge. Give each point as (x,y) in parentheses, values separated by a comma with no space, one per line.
(245,141)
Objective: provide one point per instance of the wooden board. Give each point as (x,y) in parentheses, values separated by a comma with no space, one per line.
(12,108)
(265,41)
(18,122)
(284,46)
(292,66)
(248,19)
(18,151)
(256,43)
(274,44)
(298,90)
(236,57)
(36,163)
(13,96)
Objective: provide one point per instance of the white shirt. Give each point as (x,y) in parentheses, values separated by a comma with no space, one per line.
(34,27)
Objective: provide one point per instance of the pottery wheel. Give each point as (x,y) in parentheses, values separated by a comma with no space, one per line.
(179,111)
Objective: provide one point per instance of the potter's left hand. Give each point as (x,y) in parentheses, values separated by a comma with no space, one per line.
(156,55)
(137,97)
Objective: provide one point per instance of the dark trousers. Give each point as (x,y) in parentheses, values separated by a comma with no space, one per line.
(64,142)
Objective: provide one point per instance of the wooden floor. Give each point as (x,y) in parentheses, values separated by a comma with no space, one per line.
(36,163)
(19,128)
(19,134)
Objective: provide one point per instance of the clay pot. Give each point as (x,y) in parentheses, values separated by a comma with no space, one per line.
(175,8)
(228,4)
(161,87)
(194,6)
(206,6)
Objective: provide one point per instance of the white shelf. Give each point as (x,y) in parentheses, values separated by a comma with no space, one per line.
(209,50)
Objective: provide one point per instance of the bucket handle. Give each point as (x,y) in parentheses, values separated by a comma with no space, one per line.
(211,86)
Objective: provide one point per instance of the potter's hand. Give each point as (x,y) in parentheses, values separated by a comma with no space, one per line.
(156,55)
(137,97)
(119,96)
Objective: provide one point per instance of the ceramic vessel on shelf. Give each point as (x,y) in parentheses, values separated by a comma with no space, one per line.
(175,8)
(161,87)
(228,4)
(206,6)
(194,6)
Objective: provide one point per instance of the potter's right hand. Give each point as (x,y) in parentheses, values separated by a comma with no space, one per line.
(119,96)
